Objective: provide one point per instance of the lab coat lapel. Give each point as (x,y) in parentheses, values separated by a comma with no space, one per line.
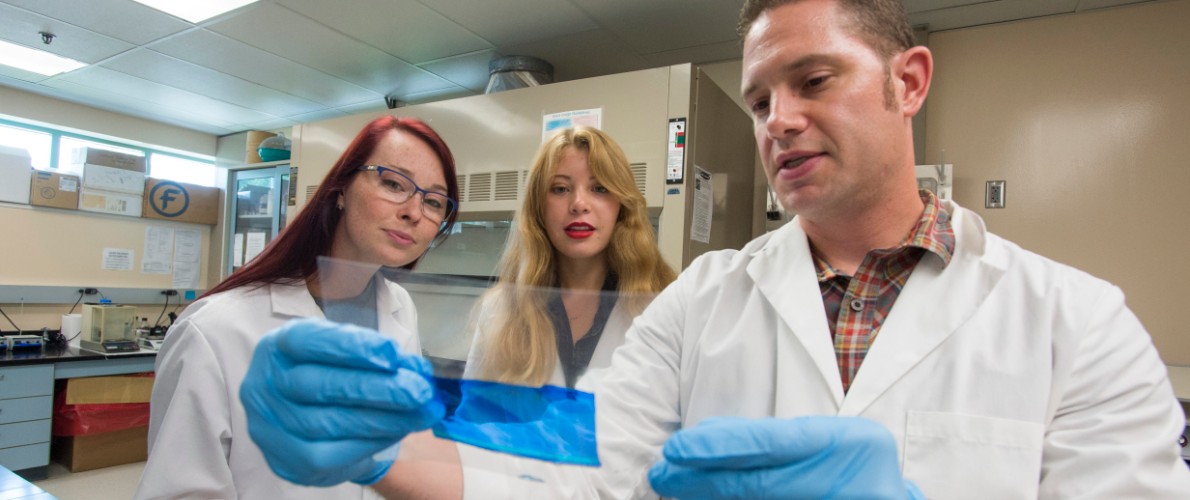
(935,302)
(783,271)
(293,300)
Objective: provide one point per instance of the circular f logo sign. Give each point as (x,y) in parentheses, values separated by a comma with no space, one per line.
(169,199)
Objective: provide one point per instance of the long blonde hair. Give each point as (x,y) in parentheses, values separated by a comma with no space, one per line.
(522,347)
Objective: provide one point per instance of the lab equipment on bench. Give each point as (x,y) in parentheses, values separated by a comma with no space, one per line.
(19,342)
(109,327)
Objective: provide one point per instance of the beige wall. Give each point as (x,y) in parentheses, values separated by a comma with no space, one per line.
(1087,119)
(94,121)
(63,248)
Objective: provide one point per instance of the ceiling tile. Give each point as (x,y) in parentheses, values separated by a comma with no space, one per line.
(120,19)
(506,23)
(601,54)
(912,6)
(272,28)
(271,124)
(238,59)
(403,28)
(163,69)
(469,71)
(324,114)
(137,90)
(102,99)
(20,74)
(990,12)
(363,107)
(1099,4)
(21,27)
(664,25)
(721,51)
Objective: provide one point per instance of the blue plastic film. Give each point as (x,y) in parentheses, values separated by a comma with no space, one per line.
(548,423)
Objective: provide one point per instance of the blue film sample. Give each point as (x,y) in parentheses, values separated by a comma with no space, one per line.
(548,423)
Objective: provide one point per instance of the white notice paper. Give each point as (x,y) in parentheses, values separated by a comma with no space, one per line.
(253,246)
(117,259)
(554,121)
(237,250)
(159,248)
(187,251)
(704,196)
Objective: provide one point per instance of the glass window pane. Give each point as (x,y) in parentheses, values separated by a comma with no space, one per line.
(37,143)
(68,146)
(173,168)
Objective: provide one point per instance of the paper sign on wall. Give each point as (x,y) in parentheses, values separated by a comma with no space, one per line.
(675,158)
(117,259)
(553,122)
(704,197)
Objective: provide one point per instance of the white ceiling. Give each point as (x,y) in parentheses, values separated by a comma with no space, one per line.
(279,62)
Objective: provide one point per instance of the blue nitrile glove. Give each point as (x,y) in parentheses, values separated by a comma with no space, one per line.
(806,457)
(322,398)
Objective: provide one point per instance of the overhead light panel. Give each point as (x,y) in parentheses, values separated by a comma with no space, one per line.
(37,61)
(195,11)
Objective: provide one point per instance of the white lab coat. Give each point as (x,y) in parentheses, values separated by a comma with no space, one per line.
(1002,375)
(198,435)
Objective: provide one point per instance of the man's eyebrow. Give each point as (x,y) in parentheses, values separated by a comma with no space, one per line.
(796,65)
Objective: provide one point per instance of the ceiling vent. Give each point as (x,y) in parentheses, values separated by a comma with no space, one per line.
(515,72)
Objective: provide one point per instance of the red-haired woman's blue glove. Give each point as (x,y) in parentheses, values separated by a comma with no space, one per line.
(323,399)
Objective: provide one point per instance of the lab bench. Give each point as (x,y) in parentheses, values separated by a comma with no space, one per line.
(27,397)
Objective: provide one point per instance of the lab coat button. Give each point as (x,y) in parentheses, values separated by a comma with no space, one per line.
(857,305)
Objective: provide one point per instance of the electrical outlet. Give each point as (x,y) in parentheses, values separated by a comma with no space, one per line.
(88,291)
(994,195)
(169,293)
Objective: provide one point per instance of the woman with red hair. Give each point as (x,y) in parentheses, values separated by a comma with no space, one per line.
(389,196)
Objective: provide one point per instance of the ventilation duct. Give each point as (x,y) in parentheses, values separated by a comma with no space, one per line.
(515,72)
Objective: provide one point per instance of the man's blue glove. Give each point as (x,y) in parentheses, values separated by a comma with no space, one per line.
(806,457)
(322,398)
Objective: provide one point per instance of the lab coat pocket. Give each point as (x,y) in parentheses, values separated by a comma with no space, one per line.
(950,455)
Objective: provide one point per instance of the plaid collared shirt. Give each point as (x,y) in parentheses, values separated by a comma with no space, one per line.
(857,305)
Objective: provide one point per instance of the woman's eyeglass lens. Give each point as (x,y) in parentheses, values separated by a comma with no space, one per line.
(399,188)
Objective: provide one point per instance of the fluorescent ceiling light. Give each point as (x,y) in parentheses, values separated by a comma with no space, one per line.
(37,61)
(195,11)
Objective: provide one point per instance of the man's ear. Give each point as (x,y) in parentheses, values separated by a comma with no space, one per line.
(913,70)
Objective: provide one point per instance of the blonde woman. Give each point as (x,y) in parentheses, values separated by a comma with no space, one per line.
(582,261)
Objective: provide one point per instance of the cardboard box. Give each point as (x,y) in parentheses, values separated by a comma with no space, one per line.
(50,189)
(252,153)
(111,171)
(110,202)
(113,179)
(180,202)
(15,172)
(107,390)
(105,158)
(80,453)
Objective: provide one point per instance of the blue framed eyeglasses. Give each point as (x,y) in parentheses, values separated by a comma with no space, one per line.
(399,188)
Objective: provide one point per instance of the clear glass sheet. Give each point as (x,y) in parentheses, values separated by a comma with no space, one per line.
(548,423)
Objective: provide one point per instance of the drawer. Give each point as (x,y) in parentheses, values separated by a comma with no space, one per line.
(24,409)
(26,381)
(24,457)
(23,433)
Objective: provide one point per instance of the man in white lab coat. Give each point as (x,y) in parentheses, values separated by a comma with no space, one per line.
(998,373)
(883,344)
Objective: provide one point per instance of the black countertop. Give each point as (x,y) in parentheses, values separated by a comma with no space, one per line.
(56,355)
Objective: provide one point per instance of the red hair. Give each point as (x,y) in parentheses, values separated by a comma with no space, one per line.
(293,255)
